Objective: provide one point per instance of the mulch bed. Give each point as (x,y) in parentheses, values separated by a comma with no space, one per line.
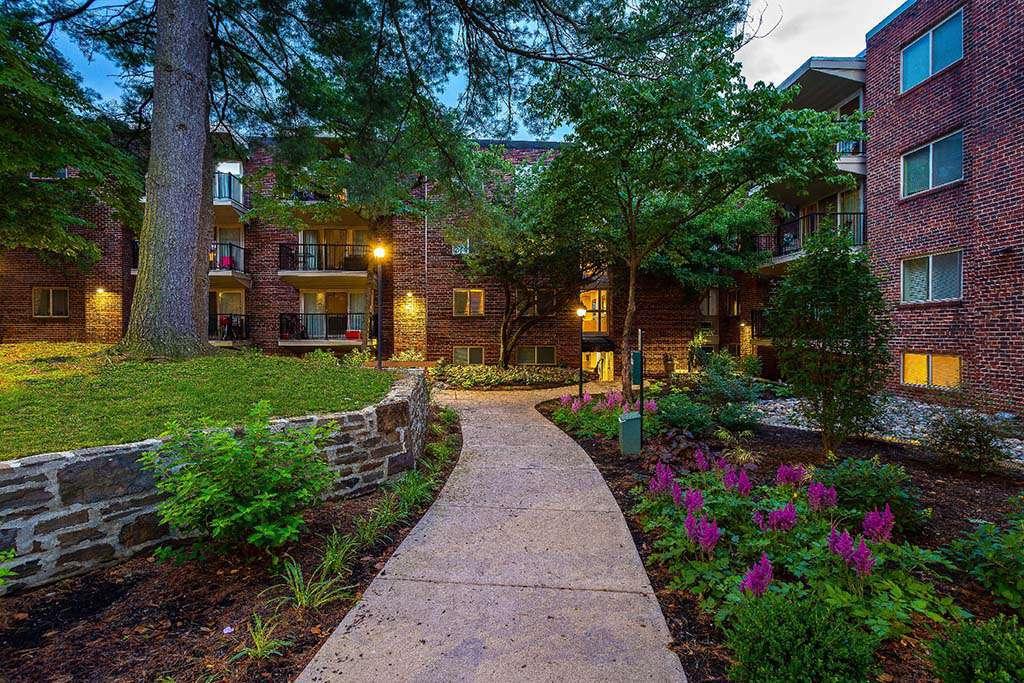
(142,620)
(955,498)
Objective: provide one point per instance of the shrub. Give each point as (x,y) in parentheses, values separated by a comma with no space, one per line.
(319,358)
(722,381)
(779,638)
(229,488)
(828,320)
(866,485)
(357,358)
(736,416)
(476,376)
(995,557)
(991,651)
(966,440)
(6,573)
(448,417)
(409,355)
(681,412)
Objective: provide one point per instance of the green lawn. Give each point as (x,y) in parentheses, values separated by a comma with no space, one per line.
(56,397)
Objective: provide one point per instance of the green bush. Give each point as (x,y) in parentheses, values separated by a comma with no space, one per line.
(5,573)
(409,355)
(966,440)
(318,358)
(995,557)
(681,412)
(229,489)
(990,651)
(723,381)
(736,416)
(779,638)
(357,358)
(865,485)
(477,376)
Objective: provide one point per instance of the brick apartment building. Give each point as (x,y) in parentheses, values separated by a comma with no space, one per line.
(934,196)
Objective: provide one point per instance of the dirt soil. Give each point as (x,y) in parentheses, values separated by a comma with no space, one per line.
(955,498)
(144,621)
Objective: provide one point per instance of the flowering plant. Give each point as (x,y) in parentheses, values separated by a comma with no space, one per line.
(598,416)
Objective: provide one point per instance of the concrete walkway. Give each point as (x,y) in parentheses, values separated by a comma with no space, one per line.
(523,569)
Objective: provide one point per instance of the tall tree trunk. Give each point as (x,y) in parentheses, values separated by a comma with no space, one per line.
(506,322)
(167,317)
(625,346)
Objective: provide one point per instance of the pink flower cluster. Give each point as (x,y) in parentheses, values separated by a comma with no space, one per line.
(758,578)
(821,497)
(791,475)
(565,399)
(662,479)
(878,524)
(782,519)
(703,532)
(859,557)
(736,479)
(701,460)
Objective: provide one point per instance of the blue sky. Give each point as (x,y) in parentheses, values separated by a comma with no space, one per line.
(803,28)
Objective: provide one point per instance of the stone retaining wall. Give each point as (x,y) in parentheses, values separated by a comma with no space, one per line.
(67,513)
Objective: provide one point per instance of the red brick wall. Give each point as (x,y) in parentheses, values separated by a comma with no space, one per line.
(983,94)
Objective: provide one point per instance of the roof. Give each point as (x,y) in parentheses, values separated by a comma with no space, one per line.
(838,66)
(889,19)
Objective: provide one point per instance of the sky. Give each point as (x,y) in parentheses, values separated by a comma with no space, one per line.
(802,29)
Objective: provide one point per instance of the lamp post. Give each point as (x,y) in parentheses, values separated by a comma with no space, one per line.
(379,253)
(581,313)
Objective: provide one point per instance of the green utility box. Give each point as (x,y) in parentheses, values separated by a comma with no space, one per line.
(636,367)
(629,433)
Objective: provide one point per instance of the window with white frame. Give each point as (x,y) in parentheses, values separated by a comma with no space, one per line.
(468,355)
(461,248)
(535,355)
(936,370)
(467,302)
(936,277)
(937,163)
(50,302)
(934,51)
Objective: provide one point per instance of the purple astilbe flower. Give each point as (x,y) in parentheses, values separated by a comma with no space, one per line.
(758,577)
(743,485)
(729,477)
(782,519)
(878,524)
(650,406)
(677,493)
(707,534)
(587,398)
(841,544)
(662,479)
(690,524)
(821,497)
(565,399)
(861,559)
(791,475)
(575,407)
(694,500)
(702,460)
(758,518)
(613,399)
(721,463)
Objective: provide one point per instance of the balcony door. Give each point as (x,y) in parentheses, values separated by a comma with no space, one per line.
(325,314)
(229,249)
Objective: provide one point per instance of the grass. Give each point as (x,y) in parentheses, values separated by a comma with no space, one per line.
(56,397)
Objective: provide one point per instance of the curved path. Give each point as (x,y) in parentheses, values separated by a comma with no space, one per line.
(523,569)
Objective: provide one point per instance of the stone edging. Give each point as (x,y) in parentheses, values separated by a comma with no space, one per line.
(68,512)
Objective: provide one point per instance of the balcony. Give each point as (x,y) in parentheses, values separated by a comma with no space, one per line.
(323,265)
(228,198)
(321,329)
(228,329)
(786,243)
(227,266)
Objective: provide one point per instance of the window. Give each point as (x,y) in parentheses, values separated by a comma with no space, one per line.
(595,301)
(935,164)
(460,249)
(937,277)
(931,370)
(468,355)
(535,355)
(933,52)
(709,303)
(50,302)
(467,302)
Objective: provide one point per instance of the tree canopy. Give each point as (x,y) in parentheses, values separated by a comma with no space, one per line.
(56,151)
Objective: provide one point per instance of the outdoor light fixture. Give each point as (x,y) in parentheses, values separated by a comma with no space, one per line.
(379,252)
(581,313)
(100,290)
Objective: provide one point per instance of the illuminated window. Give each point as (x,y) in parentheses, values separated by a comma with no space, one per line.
(931,370)
(50,302)
(535,355)
(466,302)
(468,355)
(595,301)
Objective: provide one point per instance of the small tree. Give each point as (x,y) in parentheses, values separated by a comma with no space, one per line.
(829,322)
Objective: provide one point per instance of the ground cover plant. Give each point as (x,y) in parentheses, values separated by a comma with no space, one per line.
(590,416)
(71,396)
(992,650)
(491,376)
(233,617)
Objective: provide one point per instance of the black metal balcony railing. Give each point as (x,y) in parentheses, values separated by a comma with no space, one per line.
(790,236)
(322,325)
(227,256)
(228,327)
(227,186)
(319,257)
(758,323)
